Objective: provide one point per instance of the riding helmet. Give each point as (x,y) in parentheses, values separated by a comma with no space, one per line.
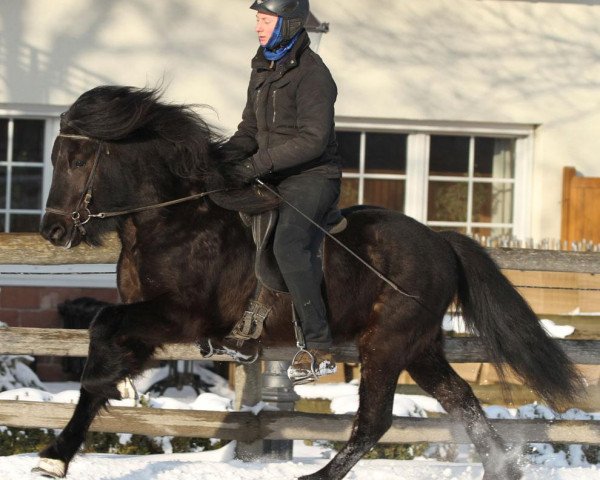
(283,8)
(293,15)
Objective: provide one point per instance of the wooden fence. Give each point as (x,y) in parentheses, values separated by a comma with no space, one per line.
(280,425)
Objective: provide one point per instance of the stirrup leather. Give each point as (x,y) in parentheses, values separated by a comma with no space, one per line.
(304,368)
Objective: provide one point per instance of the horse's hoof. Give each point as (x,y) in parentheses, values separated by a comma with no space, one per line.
(127,390)
(51,467)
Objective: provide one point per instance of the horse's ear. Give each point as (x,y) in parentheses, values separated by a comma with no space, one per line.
(251,200)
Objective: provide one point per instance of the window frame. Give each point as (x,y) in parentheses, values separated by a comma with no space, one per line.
(417,158)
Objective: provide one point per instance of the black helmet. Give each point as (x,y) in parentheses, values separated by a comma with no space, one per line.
(283,8)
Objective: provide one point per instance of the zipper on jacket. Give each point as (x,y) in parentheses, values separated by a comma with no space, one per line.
(274,108)
(257,98)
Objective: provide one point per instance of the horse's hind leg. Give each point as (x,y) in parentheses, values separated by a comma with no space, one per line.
(54,459)
(433,373)
(382,361)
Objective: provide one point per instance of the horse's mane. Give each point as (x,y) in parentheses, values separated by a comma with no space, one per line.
(120,113)
(116,113)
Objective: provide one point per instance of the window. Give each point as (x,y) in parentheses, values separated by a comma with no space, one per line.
(25,169)
(471,184)
(374,169)
(21,174)
(473,178)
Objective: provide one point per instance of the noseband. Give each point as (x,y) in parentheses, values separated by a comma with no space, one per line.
(82,215)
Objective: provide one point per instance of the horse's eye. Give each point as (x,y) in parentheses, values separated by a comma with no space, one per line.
(79,163)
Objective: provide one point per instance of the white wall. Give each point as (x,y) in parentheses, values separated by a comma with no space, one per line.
(533,62)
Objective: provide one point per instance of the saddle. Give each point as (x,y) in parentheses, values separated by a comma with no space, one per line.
(265,265)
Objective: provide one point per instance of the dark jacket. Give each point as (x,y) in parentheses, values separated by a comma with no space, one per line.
(288,122)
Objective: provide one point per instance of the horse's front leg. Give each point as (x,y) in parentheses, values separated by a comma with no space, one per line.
(122,340)
(54,459)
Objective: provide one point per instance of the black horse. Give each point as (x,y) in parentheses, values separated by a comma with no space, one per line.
(186,272)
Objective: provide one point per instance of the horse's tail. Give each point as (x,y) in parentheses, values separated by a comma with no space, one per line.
(507,326)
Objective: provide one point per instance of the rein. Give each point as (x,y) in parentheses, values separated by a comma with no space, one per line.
(86,198)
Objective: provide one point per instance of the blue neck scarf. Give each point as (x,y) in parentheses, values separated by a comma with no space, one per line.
(273,50)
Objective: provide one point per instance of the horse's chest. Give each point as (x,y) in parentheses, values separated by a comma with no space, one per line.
(128,271)
(129,284)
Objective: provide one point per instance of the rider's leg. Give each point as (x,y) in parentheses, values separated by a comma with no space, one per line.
(296,248)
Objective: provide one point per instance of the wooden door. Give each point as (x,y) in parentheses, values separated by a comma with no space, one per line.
(580,207)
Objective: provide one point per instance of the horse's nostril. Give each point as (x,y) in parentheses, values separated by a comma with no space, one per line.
(54,233)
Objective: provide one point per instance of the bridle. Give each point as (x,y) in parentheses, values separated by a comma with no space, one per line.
(83,203)
(81,214)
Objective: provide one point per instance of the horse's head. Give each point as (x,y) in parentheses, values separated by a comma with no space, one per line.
(120,147)
(76,160)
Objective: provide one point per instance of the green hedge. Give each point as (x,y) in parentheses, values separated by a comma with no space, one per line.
(26,440)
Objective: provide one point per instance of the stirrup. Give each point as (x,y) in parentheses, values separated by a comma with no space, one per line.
(301,376)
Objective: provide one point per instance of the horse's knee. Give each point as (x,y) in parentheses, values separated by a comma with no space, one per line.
(105,388)
(105,362)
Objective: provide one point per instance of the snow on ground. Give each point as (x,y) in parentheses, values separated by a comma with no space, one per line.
(221,464)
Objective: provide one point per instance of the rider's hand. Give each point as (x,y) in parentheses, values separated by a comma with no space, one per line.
(249,170)
(246,171)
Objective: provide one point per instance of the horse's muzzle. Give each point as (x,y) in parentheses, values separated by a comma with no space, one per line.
(56,232)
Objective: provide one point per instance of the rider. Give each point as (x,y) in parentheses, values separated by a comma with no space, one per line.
(287,132)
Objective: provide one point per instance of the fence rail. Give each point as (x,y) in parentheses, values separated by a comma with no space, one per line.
(31,249)
(74,343)
(246,427)
(269,425)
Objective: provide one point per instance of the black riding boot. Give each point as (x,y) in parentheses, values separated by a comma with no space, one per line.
(305,288)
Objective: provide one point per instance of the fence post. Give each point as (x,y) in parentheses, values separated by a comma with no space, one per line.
(278,391)
(248,392)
